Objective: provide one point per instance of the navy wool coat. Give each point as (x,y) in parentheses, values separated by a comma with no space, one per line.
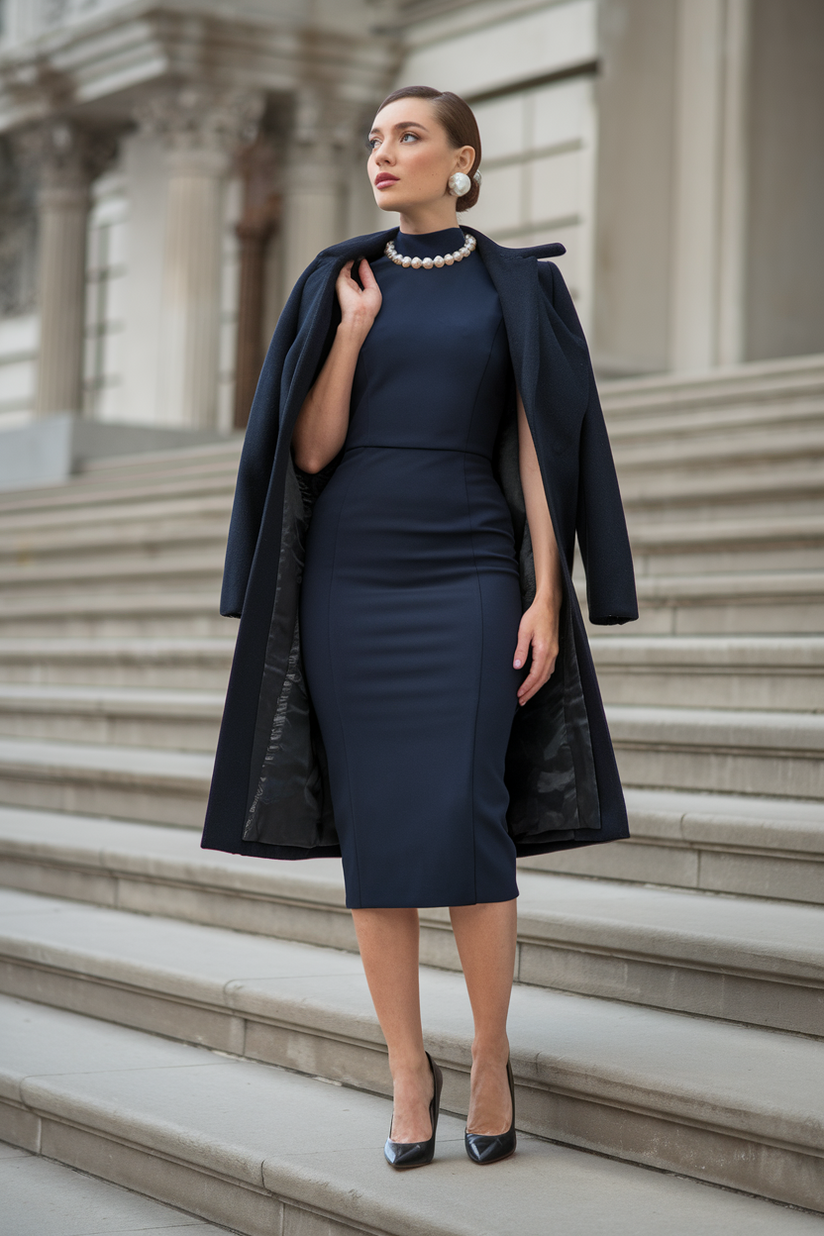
(270,793)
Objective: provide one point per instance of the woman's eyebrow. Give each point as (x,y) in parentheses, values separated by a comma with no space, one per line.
(404,124)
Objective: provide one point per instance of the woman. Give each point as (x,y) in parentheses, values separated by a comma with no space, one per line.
(412,686)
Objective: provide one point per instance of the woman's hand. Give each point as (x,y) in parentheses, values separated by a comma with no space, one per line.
(358,305)
(538,630)
(321,425)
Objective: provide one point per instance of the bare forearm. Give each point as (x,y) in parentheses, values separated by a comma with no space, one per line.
(323,420)
(548,578)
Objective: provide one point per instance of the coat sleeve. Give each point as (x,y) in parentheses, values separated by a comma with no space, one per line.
(600,523)
(255,468)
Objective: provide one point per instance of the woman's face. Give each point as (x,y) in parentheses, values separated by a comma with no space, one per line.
(411,159)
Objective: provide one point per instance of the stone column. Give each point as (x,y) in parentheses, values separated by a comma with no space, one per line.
(261,213)
(67,158)
(709,177)
(323,128)
(733,226)
(201,127)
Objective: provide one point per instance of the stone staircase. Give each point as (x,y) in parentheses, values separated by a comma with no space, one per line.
(180,1022)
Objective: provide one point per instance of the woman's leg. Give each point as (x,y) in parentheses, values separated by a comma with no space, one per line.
(389,946)
(486,936)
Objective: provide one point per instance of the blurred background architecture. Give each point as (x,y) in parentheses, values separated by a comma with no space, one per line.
(170,1017)
(168,169)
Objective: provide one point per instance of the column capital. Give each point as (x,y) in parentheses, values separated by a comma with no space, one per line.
(201,126)
(323,119)
(65,156)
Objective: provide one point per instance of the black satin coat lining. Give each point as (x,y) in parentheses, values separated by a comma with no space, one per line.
(550,769)
(289,801)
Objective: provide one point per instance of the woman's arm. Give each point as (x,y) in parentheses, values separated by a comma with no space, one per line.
(539,623)
(323,420)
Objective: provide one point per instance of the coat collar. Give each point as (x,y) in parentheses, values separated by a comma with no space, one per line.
(514,272)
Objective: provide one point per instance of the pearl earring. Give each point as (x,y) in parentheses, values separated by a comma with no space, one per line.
(459,184)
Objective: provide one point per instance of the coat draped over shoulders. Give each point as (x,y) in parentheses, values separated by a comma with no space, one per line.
(270,794)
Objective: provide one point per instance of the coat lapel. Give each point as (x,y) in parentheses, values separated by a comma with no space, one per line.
(516,282)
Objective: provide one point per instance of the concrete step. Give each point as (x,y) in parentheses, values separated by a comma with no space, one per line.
(115,523)
(182,663)
(718,843)
(739,489)
(720,750)
(175,462)
(163,787)
(730,546)
(759,672)
(691,534)
(110,541)
(749,603)
(127,574)
(175,720)
(732,959)
(266,1150)
(713,441)
(737,959)
(197,567)
(117,615)
(747,390)
(44,1198)
(169,472)
(769,848)
(109,490)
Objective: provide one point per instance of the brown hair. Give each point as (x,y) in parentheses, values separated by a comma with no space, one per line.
(458,119)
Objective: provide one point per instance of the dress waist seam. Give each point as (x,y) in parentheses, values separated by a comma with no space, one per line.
(441,450)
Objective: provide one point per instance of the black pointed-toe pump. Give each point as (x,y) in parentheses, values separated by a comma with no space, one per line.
(486,1148)
(402,1155)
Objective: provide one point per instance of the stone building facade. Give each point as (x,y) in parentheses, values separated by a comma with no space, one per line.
(168,168)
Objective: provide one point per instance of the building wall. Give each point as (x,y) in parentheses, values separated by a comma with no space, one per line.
(633,230)
(785,251)
(676,147)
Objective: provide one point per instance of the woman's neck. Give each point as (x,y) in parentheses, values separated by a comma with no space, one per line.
(428,221)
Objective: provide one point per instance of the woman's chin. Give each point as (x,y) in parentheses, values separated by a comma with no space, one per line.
(386,204)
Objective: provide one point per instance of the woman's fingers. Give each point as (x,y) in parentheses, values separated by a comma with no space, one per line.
(534,680)
(522,651)
(366,274)
(354,298)
(544,654)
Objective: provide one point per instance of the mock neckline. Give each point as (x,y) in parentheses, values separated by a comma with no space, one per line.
(429,244)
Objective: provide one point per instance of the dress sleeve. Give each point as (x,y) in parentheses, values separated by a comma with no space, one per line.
(600,523)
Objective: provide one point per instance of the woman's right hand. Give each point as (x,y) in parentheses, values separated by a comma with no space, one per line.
(358,305)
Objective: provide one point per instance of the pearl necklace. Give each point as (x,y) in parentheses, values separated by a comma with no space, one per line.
(427,263)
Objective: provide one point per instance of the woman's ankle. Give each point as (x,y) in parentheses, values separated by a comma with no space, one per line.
(410,1068)
(492,1051)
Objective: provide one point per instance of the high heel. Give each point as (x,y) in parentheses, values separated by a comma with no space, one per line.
(486,1148)
(402,1155)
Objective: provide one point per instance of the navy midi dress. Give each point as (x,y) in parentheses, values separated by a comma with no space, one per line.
(410,600)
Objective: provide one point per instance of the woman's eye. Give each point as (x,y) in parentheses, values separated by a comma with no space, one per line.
(410,134)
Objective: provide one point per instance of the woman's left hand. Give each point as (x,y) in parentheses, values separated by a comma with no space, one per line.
(538,630)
